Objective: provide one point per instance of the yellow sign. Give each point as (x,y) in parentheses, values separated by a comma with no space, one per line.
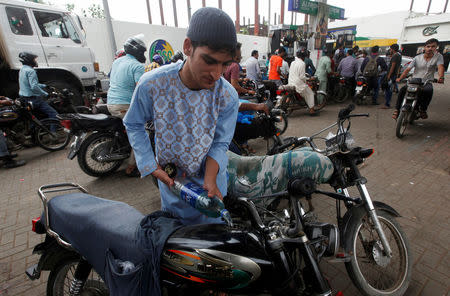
(373,42)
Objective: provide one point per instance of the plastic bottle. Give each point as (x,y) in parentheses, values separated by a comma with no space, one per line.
(197,197)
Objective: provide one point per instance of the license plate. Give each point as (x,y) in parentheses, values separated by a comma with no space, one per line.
(358,88)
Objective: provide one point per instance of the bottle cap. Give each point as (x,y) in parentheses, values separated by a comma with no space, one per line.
(171,170)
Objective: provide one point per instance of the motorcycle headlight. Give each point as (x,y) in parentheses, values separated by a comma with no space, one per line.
(349,141)
(412,88)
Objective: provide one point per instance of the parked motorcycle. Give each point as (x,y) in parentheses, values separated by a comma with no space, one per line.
(361,92)
(289,100)
(377,255)
(26,127)
(409,112)
(62,100)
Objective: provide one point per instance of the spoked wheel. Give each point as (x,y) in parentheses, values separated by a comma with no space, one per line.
(61,277)
(95,146)
(281,123)
(287,104)
(358,99)
(342,94)
(370,269)
(51,135)
(402,123)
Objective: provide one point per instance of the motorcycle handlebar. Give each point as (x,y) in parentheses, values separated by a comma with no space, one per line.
(344,113)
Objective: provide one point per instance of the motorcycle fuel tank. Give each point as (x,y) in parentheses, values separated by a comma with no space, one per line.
(7,114)
(215,255)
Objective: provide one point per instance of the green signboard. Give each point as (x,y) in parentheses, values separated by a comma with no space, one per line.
(311,8)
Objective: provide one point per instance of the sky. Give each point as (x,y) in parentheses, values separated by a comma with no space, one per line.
(136,10)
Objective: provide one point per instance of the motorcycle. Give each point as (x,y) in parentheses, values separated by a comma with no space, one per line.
(344,89)
(269,127)
(289,100)
(25,127)
(361,91)
(100,141)
(62,100)
(409,111)
(272,247)
(373,242)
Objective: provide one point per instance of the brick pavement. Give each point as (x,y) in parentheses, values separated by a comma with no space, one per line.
(411,174)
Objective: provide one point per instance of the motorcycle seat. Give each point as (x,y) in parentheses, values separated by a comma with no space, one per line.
(94,116)
(255,176)
(93,225)
(287,87)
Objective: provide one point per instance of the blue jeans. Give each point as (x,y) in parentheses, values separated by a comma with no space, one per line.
(43,106)
(3,146)
(388,92)
(372,83)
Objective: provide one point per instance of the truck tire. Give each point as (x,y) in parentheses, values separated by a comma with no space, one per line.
(77,99)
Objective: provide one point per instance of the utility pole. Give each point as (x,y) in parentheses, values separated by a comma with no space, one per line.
(282,13)
(109,27)
(174,4)
(411,7)
(238,27)
(445,6)
(429,5)
(203,3)
(148,12)
(220,4)
(268,21)
(256,30)
(189,10)
(161,11)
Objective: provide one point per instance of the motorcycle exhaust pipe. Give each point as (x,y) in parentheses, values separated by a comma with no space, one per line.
(112,157)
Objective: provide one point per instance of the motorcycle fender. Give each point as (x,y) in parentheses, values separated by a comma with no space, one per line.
(75,146)
(357,212)
(51,254)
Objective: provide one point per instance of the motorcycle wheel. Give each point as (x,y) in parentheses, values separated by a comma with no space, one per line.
(61,277)
(286,105)
(51,141)
(402,123)
(86,159)
(341,95)
(372,272)
(358,99)
(282,125)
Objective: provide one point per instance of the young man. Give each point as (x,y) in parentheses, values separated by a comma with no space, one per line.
(252,67)
(275,64)
(394,65)
(194,110)
(348,68)
(425,66)
(369,69)
(297,78)
(324,68)
(125,73)
(30,88)
(232,73)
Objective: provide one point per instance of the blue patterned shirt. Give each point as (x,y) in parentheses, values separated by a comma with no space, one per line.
(189,126)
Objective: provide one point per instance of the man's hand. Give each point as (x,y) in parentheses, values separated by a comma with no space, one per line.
(263,107)
(212,188)
(441,80)
(161,175)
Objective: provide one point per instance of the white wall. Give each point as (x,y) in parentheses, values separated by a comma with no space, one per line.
(414,27)
(97,38)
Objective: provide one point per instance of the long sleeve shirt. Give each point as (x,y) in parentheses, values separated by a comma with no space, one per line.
(189,126)
(29,84)
(323,68)
(297,76)
(348,67)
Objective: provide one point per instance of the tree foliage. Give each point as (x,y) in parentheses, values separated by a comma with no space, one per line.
(94,11)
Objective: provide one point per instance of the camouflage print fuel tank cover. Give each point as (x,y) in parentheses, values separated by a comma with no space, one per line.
(254,176)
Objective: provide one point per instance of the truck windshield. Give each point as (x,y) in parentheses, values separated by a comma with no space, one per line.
(55,25)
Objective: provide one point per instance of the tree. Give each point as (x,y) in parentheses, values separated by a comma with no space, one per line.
(94,11)
(70,7)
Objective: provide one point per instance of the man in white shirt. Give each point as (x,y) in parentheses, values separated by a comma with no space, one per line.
(252,67)
(297,78)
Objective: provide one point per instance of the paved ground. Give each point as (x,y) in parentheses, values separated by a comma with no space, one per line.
(412,175)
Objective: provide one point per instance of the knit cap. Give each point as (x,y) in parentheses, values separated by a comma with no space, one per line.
(213,26)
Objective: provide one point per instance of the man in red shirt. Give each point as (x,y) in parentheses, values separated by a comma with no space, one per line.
(232,73)
(276,61)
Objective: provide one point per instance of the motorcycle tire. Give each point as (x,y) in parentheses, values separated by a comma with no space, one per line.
(287,106)
(62,274)
(402,124)
(282,125)
(371,271)
(358,99)
(86,161)
(51,141)
(342,95)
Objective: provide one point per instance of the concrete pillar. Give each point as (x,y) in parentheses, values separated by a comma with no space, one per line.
(109,27)
(238,26)
(220,4)
(189,10)
(256,31)
(174,4)
(203,3)
(161,11)
(282,12)
(148,12)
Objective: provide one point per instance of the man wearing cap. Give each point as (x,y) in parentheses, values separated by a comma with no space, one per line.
(194,110)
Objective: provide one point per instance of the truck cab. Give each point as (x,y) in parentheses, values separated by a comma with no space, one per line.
(56,37)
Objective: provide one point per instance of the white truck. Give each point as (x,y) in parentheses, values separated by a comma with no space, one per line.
(58,39)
